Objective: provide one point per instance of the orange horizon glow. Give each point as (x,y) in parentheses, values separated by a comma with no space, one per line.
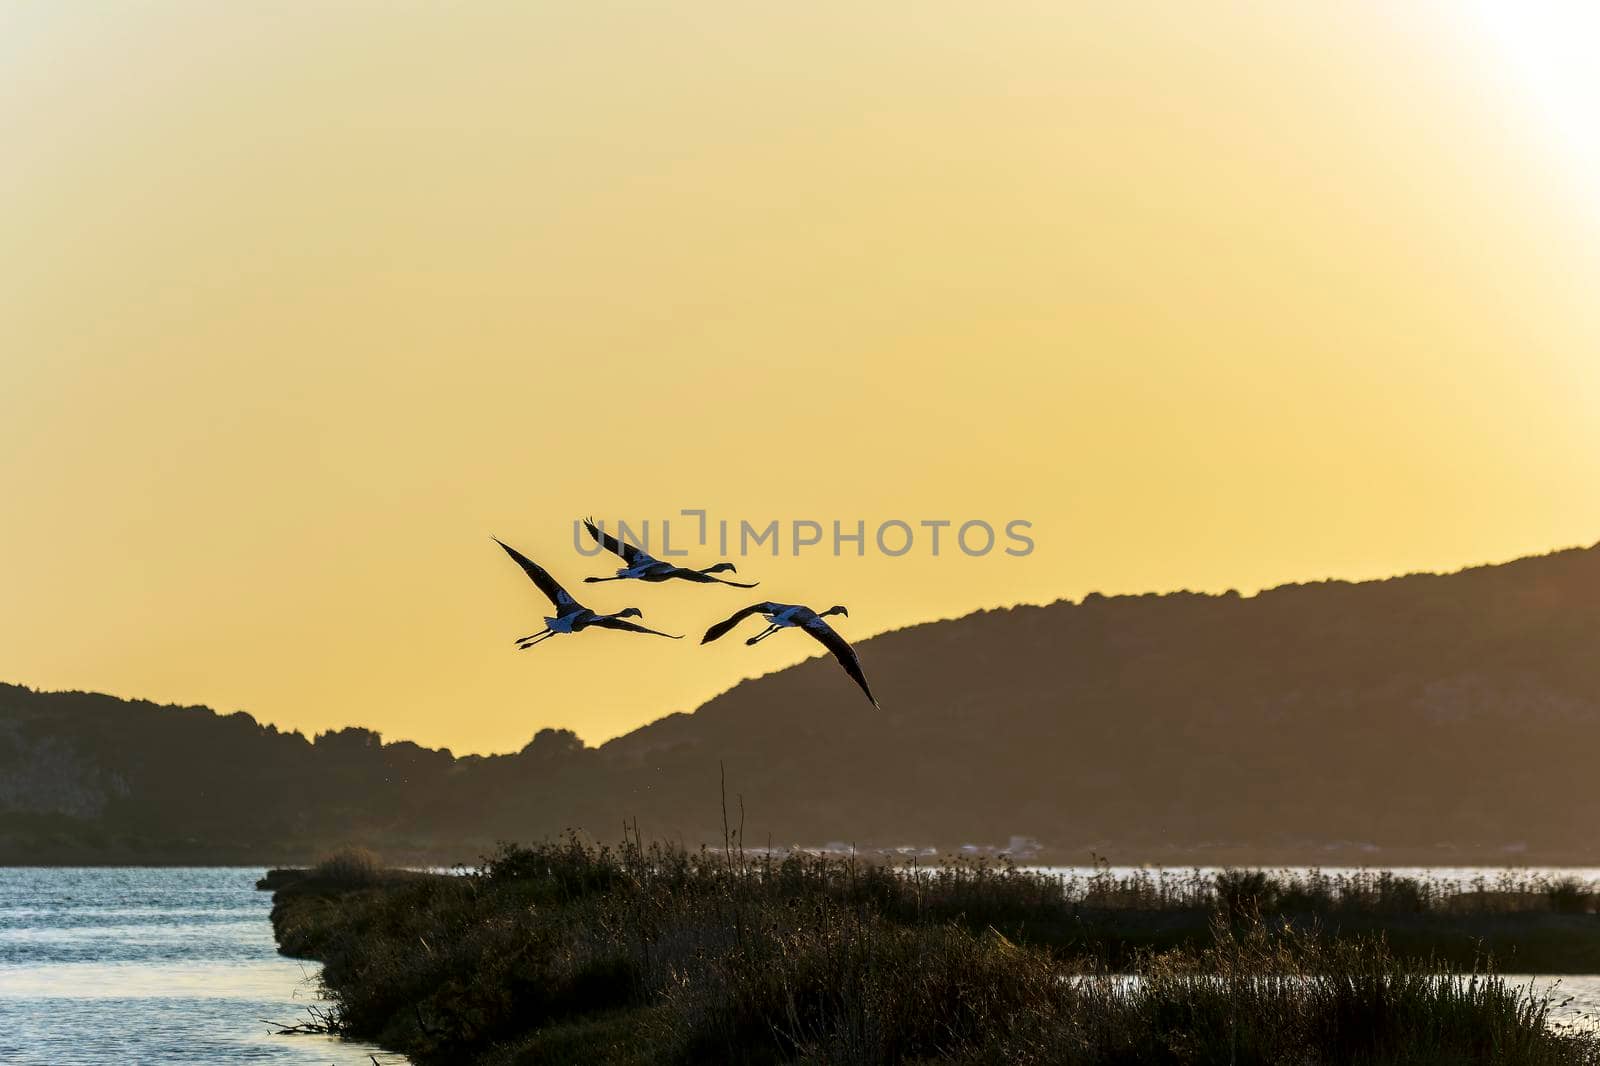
(305,305)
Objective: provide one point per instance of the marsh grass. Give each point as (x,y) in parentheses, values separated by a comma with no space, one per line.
(1349,892)
(567,952)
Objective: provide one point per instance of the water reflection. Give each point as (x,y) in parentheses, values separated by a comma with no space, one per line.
(102,966)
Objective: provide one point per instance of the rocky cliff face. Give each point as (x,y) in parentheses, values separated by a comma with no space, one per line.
(48,775)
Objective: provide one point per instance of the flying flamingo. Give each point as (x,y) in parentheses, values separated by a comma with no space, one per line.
(571,616)
(792,616)
(644,567)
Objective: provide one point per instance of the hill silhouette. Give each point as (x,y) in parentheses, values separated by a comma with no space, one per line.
(1426,718)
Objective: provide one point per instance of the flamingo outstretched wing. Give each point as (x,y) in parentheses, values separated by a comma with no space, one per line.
(630,627)
(630,555)
(842,651)
(707,579)
(722,627)
(541,577)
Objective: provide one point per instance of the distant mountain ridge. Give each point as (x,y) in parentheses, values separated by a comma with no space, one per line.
(1426,718)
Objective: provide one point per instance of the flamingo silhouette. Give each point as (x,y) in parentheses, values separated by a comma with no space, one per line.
(571,616)
(645,567)
(793,616)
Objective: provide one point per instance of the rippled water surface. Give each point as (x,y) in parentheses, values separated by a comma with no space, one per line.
(151,966)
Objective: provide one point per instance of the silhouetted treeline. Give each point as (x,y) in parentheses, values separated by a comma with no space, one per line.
(1434,718)
(86,777)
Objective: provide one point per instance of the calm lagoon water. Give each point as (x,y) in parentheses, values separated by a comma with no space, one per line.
(1462,877)
(151,966)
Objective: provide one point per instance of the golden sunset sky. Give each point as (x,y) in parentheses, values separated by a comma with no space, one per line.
(301,303)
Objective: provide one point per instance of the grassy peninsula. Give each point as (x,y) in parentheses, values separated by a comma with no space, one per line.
(572,953)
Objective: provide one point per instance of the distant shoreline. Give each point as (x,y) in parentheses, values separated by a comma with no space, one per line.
(1169,860)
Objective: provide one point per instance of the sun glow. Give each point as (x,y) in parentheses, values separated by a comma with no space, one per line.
(1549,47)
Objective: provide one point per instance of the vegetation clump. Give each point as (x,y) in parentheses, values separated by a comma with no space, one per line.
(350,867)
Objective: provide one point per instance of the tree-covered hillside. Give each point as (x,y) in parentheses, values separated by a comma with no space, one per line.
(1443,718)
